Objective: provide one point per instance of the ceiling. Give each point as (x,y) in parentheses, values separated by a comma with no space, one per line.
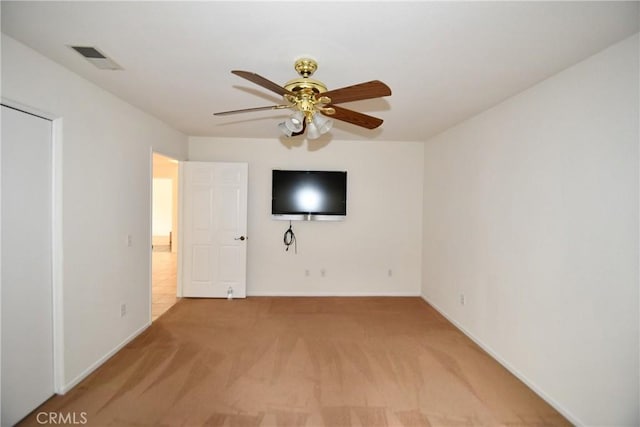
(444,61)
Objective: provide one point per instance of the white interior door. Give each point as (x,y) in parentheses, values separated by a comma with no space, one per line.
(215,225)
(26,290)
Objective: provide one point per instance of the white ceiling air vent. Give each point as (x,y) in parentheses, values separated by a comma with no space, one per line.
(96,57)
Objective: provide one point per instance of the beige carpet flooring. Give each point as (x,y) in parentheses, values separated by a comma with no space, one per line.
(303,362)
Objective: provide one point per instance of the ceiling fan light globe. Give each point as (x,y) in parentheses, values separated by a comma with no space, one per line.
(292,127)
(285,130)
(312,131)
(322,123)
(328,125)
(295,122)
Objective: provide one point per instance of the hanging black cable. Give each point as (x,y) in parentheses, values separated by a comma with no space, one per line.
(290,238)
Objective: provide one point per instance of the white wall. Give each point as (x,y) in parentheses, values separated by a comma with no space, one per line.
(531,211)
(106,179)
(382,230)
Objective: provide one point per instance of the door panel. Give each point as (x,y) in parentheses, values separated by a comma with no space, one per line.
(27,325)
(215,217)
(229,257)
(201,265)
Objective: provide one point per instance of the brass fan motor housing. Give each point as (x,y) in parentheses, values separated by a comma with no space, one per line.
(305,67)
(305,89)
(300,84)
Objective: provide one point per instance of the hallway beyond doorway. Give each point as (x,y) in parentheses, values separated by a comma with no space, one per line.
(163,295)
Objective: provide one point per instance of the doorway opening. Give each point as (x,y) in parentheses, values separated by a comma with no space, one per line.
(164,247)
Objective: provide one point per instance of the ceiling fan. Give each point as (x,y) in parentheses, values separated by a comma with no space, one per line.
(313,105)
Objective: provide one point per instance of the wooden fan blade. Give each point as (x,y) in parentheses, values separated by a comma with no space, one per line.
(368,90)
(354,117)
(247,110)
(261,81)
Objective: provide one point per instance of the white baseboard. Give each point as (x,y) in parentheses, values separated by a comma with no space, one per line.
(568,415)
(103,359)
(333,294)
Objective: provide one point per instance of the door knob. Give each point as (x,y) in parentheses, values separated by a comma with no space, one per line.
(240,238)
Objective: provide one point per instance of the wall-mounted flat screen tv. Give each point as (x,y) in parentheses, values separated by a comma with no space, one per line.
(309,195)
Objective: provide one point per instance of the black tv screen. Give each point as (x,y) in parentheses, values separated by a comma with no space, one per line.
(308,195)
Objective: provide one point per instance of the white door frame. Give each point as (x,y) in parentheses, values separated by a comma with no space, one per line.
(56,238)
(180,270)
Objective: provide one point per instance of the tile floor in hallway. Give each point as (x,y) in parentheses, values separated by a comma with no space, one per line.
(164,278)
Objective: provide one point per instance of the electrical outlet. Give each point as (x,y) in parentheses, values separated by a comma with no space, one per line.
(123,310)
(461,299)
(390,272)
(129,240)
(306,272)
